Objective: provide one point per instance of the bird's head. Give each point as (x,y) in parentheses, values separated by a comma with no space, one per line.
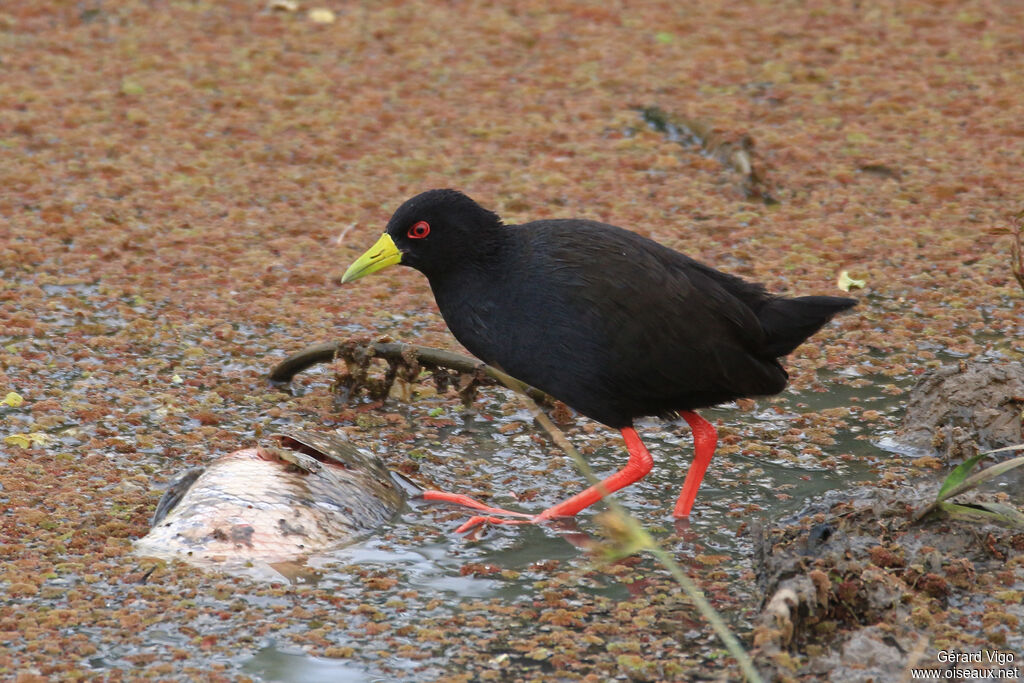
(434,232)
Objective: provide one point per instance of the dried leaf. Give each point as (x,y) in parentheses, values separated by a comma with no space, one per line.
(846,283)
(1016,447)
(321,16)
(26,440)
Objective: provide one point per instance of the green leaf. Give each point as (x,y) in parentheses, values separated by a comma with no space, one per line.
(995,513)
(130,87)
(956,483)
(958,476)
(992,472)
(982,476)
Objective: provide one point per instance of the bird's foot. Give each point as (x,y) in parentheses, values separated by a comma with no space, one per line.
(493,515)
(518,518)
(467,501)
(480,520)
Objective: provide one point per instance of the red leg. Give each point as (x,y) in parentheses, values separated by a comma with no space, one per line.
(705,438)
(639,465)
(468,502)
(477,520)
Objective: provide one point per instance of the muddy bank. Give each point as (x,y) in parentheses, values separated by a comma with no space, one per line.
(857,588)
(961,409)
(857,592)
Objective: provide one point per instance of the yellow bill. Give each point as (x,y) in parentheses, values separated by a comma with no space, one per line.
(381,255)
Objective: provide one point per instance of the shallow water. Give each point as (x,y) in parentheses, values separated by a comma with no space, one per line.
(762,470)
(272,664)
(738,489)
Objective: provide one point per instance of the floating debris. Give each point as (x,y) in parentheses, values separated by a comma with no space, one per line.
(735,152)
(307,494)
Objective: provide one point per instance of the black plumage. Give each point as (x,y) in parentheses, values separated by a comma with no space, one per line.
(612,323)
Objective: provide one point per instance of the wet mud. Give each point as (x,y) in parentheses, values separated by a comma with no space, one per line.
(859,589)
(856,591)
(966,407)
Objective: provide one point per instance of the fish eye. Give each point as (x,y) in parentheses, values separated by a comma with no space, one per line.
(419,230)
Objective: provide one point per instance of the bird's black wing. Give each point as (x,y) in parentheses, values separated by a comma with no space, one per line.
(660,330)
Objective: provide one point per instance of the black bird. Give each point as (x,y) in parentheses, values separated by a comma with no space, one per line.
(614,324)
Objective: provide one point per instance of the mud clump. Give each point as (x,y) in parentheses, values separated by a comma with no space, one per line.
(961,409)
(856,591)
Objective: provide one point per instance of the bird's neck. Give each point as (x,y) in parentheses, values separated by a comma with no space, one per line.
(481,264)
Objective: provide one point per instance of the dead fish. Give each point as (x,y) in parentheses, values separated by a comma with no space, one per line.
(306,494)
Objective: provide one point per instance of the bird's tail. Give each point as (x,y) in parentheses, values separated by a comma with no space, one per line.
(788,322)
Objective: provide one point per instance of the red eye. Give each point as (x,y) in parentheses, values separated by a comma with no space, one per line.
(419,230)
